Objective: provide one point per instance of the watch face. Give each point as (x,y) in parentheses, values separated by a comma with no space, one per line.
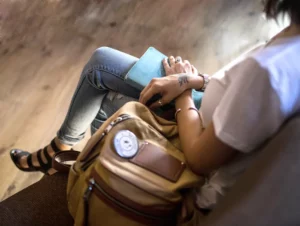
(126,144)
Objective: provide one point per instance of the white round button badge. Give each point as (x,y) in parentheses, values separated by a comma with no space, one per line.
(126,144)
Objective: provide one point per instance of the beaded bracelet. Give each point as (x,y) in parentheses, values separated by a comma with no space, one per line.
(190,108)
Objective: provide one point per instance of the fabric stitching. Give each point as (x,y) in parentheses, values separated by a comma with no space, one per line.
(104,68)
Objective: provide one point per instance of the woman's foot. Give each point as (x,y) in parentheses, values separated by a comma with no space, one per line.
(40,160)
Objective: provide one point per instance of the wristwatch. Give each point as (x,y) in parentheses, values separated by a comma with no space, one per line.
(206,80)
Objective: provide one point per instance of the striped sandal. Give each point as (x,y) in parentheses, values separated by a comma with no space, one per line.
(17,154)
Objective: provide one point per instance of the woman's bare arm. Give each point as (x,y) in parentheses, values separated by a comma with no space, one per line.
(204,152)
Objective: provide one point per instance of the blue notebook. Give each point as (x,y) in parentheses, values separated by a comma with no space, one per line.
(150,66)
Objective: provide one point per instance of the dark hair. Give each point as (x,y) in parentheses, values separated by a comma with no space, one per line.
(275,7)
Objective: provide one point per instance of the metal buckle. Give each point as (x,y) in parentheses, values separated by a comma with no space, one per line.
(119,119)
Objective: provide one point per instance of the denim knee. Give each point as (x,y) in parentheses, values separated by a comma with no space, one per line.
(99,56)
(107,68)
(96,64)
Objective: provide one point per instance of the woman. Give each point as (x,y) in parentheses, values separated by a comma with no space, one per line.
(241,109)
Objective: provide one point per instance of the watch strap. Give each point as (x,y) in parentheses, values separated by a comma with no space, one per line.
(205,81)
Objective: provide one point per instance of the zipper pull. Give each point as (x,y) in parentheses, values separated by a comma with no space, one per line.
(86,197)
(89,190)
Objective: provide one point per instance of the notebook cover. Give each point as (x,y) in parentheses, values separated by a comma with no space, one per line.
(150,66)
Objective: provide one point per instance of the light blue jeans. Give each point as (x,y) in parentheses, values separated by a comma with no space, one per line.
(101,91)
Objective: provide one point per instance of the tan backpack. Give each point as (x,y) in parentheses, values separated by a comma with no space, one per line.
(131,172)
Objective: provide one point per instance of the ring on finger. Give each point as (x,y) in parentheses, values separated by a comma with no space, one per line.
(160,102)
(178,59)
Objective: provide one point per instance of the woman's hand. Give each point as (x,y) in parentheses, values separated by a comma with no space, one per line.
(168,87)
(178,76)
(178,66)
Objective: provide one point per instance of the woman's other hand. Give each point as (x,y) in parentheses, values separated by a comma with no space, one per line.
(178,66)
(178,76)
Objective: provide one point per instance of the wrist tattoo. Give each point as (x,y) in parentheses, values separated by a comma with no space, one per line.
(183,79)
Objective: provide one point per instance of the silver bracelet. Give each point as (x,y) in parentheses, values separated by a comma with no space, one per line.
(190,108)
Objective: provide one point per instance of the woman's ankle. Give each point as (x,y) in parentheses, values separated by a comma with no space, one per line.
(62,146)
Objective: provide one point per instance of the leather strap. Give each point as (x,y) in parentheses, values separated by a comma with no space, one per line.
(60,157)
(152,158)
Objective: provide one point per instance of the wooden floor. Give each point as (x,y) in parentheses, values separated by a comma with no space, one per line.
(45,44)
